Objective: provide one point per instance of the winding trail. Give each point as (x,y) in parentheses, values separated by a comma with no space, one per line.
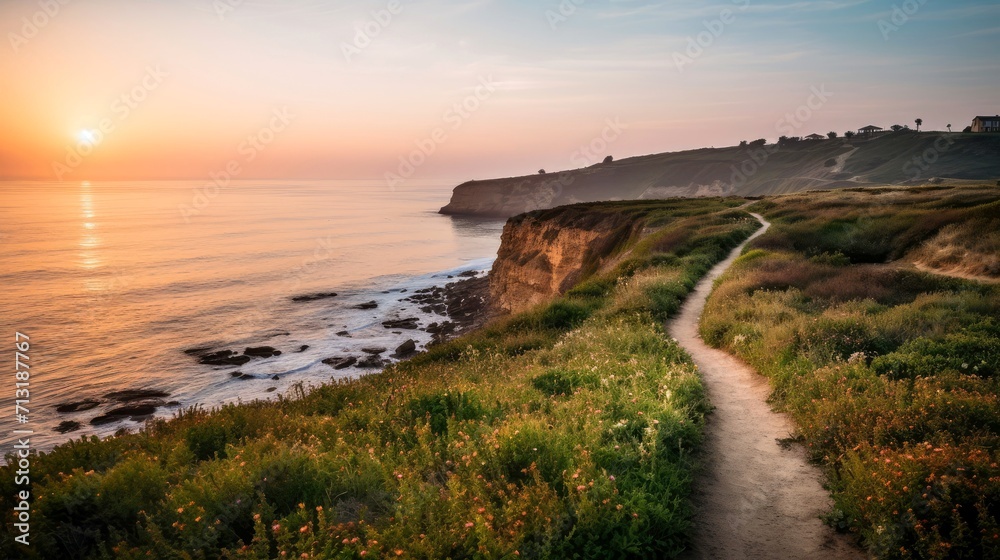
(754,498)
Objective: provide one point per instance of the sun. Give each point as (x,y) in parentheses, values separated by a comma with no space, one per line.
(87,136)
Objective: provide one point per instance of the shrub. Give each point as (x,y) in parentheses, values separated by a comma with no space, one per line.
(960,352)
(438,408)
(561,382)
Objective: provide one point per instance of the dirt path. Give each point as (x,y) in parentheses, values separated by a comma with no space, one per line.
(754,499)
(953,273)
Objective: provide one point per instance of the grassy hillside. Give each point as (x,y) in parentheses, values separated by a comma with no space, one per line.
(900,158)
(892,375)
(566,431)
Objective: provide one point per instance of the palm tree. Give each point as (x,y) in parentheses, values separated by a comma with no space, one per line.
(949,128)
(919,122)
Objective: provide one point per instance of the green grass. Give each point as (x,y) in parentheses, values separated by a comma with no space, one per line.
(889,373)
(563,432)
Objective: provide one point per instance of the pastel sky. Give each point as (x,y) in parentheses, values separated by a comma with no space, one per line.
(539,79)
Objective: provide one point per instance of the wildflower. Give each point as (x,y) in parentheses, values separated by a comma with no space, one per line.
(611,478)
(470,524)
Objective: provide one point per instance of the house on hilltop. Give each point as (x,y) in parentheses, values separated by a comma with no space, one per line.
(986,124)
(870,130)
(815,137)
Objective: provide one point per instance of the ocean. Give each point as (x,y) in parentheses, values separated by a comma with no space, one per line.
(113,281)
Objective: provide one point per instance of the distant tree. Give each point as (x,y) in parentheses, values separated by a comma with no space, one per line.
(609,159)
(831,135)
(541,172)
(758,142)
(919,122)
(782,140)
(896,127)
(967,129)
(949,127)
(849,134)
(743,143)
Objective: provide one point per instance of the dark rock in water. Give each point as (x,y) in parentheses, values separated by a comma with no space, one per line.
(372,361)
(275,378)
(278,333)
(403,291)
(133,411)
(77,406)
(341,362)
(198,351)
(136,395)
(173,403)
(271,389)
(67,426)
(102,420)
(406,324)
(397,332)
(374,350)
(407,348)
(369,305)
(303,348)
(344,334)
(143,409)
(224,358)
(261,352)
(236,374)
(246,376)
(446,327)
(314,297)
(469,274)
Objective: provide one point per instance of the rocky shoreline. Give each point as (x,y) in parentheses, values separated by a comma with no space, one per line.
(462,305)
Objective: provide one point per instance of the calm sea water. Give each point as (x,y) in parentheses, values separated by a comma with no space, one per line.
(112,283)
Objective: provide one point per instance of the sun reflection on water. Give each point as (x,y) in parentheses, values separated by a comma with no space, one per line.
(90,242)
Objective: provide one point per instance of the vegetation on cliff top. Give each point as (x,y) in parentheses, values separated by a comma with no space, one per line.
(892,375)
(566,431)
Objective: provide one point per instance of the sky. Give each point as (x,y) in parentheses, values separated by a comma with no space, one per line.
(453,90)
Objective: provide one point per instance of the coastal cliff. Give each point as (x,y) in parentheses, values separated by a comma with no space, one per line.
(904,158)
(544,254)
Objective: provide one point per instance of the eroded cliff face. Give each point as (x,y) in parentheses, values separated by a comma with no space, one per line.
(544,254)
